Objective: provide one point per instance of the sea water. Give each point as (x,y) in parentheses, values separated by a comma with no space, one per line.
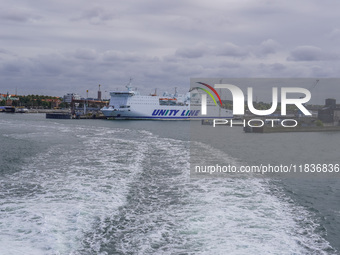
(124,187)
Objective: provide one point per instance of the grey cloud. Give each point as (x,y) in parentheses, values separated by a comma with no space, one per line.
(186,69)
(277,67)
(163,42)
(156,7)
(5,52)
(86,54)
(229,64)
(18,15)
(231,50)
(95,15)
(267,47)
(195,51)
(273,69)
(113,56)
(12,67)
(334,34)
(48,65)
(265,8)
(310,53)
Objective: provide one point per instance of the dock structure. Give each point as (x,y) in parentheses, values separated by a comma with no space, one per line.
(58,115)
(302,124)
(95,103)
(7,109)
(267,129)
(90,110)
(86,112)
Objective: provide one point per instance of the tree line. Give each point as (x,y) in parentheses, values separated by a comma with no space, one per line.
(36,101)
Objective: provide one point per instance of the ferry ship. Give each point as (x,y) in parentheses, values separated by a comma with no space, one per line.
(129,104)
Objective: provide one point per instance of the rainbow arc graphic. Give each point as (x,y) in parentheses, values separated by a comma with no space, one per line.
(209,93)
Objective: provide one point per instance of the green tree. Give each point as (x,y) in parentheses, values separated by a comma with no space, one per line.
(318,123)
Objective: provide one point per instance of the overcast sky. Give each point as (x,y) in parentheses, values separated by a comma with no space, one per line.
(55,47)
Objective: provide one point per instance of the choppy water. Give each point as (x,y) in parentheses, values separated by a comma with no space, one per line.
(106,187)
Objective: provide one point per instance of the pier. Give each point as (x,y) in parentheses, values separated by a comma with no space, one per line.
(90,109)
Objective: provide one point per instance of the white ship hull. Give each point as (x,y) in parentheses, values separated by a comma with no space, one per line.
(131,105)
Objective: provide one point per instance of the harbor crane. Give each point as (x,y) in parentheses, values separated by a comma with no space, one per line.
(314,85)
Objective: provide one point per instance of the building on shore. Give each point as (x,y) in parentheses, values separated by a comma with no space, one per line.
(330,113)
(8,98)
(71,96)
(55,102)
